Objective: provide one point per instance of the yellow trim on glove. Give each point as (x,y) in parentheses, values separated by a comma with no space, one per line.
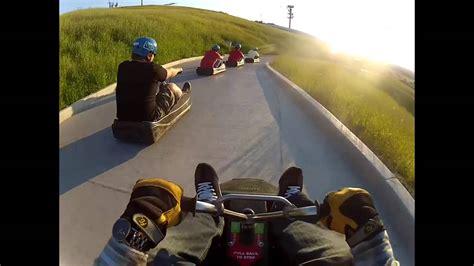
(173,215)
(335,200)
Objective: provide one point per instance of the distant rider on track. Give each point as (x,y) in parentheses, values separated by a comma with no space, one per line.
(253,53)
(212,58)
(236,55)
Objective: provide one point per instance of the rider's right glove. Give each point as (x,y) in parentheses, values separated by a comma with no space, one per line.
(155,204)
(351,211)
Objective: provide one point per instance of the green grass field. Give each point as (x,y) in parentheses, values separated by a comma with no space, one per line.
(375,101)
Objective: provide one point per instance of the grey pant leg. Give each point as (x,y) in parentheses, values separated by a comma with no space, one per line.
(165,100)
(306,243)
(189,241)
(310,244)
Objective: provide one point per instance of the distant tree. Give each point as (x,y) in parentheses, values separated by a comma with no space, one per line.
(116,4)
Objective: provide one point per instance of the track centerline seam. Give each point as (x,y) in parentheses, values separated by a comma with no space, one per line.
(109,187)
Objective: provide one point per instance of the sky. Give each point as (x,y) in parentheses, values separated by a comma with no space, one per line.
(381,30)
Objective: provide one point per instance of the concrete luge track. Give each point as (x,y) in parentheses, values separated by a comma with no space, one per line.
(244,122)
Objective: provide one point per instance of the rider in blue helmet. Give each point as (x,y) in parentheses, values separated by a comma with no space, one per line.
(143,46)
(139,94)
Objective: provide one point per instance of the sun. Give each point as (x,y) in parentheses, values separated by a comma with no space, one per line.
(378,30)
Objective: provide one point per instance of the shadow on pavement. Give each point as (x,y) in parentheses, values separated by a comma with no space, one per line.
(91,156)
(188,74)
(91,103)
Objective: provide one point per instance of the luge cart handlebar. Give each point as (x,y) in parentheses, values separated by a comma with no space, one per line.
(289,210)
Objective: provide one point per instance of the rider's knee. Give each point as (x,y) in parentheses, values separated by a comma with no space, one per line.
(177,92)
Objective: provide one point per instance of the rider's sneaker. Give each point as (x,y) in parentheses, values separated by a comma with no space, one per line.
(186,87)
(206,183)
(291,187)
(291,182)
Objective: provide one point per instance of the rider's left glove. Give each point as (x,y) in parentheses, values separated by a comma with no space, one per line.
(158,199)
(155,204)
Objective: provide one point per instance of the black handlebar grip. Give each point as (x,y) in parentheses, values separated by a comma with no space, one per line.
(188,205)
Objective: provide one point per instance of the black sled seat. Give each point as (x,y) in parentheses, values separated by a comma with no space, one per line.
(149,132)
(210,71)
(234,63)
(252,60)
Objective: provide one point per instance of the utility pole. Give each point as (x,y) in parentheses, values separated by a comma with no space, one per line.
(290,14)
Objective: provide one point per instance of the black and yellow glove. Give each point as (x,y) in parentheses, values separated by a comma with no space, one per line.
(155,204)
(351,211)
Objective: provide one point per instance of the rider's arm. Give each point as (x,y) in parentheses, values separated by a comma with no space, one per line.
(376,251)
(172,72)
(115,253)
(161,73)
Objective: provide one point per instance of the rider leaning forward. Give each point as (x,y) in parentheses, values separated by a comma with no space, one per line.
(141,92)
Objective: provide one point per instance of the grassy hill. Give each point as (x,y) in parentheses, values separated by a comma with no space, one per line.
(375,101)
(373,104)
(93,42)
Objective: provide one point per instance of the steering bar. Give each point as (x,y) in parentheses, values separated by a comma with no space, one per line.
(289,210)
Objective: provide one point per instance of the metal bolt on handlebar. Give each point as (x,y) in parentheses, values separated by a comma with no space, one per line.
(254,197)
(248,211)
